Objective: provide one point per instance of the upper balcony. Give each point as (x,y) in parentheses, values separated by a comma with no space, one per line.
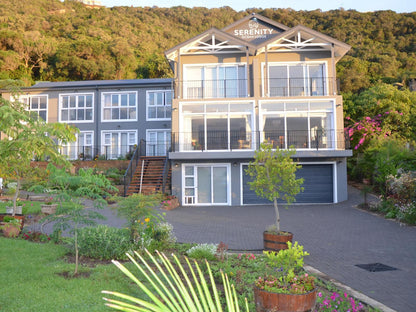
(245,88)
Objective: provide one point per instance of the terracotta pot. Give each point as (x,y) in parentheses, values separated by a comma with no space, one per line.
(20,217)
(269,301)
(276,242)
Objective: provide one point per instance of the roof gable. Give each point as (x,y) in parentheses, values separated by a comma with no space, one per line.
(255,29)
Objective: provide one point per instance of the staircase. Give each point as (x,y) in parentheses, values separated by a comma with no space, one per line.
(149,173)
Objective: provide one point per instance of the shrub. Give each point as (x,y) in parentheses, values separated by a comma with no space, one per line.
(337,302)
(203,251)
(290,259)
(104,242)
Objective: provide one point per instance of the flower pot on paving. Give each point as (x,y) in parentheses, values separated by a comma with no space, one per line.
(48,209)
(276,241)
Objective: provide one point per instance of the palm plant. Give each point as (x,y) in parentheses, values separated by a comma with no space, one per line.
(173,289)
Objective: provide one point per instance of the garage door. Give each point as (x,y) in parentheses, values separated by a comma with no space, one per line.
(318,186)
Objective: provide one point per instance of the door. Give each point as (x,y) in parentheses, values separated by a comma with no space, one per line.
(158,142)
(206,184)
(318,186)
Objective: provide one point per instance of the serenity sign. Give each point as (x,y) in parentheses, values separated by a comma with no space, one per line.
(254,31)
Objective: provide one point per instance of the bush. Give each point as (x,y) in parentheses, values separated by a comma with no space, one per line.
(289,259)
(104,242)
(203,251)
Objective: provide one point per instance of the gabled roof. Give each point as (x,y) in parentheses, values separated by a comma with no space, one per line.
(210,41)
(254,33)
(303,38)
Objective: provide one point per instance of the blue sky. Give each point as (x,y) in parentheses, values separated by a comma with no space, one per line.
(398,6)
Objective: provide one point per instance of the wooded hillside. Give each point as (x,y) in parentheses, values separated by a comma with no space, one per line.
(55,41)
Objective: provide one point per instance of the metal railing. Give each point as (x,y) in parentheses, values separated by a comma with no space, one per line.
(238,141)
(242,88)
(131,169)
(103,152)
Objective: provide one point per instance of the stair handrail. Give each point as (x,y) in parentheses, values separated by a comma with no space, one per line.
(141,177)
(166,168)
(131,169)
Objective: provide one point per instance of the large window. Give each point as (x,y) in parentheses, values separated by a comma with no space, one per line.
(159,104)
(216,126)
(117,144)
(37,104)
(303,125)
(296,79)
(82,148)
(157,142)
(119,106)
(215,81)
(206,184)
(76,107)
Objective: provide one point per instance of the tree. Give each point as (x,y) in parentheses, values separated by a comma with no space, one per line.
(26,136)
(274,176)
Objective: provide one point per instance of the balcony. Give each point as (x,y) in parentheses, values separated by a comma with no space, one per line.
(242,88)
(214,141)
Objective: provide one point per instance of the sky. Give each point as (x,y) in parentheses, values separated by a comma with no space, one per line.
(399,6)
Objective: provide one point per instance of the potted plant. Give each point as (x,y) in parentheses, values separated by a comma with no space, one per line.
(288,288)
(48,207)
(274,177)
(10,210)
(11,226)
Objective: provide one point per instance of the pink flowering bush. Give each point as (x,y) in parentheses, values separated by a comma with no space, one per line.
(337,303)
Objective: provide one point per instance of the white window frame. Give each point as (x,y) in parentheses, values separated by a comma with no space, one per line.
(119,146)
(308,112)
(27,100)
(305,76)
(184,136)
(187,201)
(167,136)
(164,104)
(77,95)
(206,95)
(76,144)
(119,93)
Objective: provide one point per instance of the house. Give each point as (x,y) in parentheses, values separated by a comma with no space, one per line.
(113,116)
(256,80)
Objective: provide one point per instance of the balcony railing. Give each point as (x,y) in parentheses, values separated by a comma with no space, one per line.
(243,88)
(206,141)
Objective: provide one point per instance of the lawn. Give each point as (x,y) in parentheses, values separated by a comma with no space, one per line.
(29,280)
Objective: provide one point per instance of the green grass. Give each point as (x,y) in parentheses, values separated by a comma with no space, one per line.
(29,207)
(29,280)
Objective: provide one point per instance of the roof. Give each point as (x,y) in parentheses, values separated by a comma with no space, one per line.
(99,83)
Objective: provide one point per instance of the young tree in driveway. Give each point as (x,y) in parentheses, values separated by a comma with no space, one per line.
(274,176)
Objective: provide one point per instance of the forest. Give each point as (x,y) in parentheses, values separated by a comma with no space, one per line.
(50,40)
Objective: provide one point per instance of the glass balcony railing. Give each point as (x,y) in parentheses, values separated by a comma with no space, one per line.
(216,140)
(243,88)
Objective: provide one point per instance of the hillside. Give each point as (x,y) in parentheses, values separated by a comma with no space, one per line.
(55,41)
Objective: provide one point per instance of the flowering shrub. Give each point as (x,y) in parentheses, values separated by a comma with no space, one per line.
(337,303)
(369,127)
(35,237)
(203,251)
(287,284)
(401,190)
(247,256)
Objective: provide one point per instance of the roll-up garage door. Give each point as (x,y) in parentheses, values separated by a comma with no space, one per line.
(318,185)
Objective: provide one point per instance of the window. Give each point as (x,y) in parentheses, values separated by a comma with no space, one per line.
(297,79)
(157,142)
(82,148)
(303,125)
(217,126)
(206,184)
(159,104)
(120,106)
(76,107)
(37,104)
(215,81)
(118,143)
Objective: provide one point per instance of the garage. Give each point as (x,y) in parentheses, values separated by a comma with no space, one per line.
(318,185)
